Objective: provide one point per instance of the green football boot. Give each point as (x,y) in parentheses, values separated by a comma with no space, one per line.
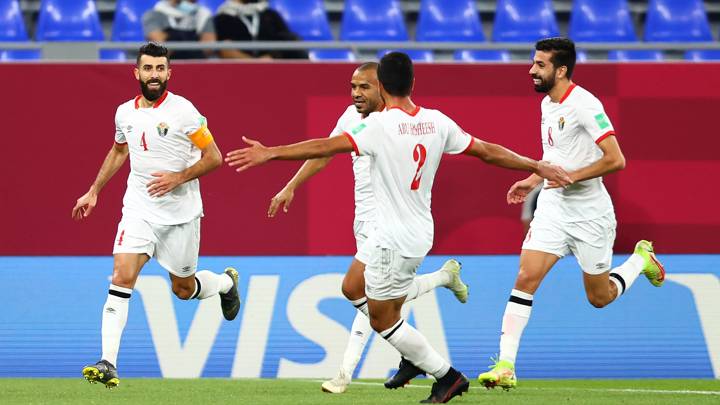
(501,374)
(653,269)
(456,285)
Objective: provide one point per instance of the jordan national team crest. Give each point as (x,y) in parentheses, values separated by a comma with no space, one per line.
(162,129)
(561,123)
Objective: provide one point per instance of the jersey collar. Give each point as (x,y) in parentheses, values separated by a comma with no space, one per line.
(157,103)
(567,93)
(412,113)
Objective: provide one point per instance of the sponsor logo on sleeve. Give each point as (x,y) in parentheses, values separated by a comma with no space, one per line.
(358,128)
(602,121)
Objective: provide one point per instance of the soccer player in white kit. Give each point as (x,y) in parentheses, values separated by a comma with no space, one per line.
(169,146)
(577,135)
(406,143)
(366,99)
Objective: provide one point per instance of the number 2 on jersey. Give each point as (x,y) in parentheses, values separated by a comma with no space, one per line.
(419,155)
(143,143)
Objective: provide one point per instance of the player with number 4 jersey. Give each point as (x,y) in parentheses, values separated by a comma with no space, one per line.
(405,143)
(169,146)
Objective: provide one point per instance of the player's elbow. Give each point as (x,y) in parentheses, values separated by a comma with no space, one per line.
(618,163)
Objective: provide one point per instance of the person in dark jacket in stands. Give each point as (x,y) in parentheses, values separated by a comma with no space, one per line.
(253,20)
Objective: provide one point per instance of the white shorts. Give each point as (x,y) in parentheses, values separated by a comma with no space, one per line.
(388,275)
(175,247)
(362,231)
(590,241)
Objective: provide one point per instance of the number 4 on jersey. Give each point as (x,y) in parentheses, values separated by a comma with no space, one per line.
(419,155)
(143,143)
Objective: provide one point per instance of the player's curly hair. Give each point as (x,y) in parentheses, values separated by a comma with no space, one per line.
(153,49)
(563,52)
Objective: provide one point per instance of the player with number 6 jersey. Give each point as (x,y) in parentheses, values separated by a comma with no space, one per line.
(406,143)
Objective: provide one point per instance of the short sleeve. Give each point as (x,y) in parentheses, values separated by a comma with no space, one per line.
(365,136)
(593,118)
(458,141)
(194,126)
(341,123)
(119,134)
(205,22)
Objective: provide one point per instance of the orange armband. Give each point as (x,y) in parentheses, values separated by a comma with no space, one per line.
(202,137)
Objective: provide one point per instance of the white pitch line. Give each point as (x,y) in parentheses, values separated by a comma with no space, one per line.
(628,390)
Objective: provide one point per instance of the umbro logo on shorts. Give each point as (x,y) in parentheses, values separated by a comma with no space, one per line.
(186,269)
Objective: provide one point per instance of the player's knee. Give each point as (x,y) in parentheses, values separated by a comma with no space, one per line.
(526,280)
(597,301)
(183,292)
(352,290)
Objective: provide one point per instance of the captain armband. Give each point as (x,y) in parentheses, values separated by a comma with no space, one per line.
(202,137)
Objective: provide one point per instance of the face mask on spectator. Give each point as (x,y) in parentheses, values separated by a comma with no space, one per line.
(188,7)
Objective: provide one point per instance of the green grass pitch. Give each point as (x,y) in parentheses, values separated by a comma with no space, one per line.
(296,392)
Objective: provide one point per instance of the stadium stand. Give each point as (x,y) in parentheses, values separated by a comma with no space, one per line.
(488,23)
(635,55)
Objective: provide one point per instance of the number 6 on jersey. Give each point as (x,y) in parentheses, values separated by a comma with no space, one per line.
(419,154)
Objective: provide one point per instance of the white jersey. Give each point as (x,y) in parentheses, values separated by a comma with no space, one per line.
(571,130)
(158,140)
(406,149)
(364,199)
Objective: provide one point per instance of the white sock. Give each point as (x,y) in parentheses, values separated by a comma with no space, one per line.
(208,284)
(517,314)
(415,348)
(359,335)
(361,305)
(115,313)
(426,282)
(624,275)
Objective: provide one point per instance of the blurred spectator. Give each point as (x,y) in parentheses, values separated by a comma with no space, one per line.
(248,20)
(180,20)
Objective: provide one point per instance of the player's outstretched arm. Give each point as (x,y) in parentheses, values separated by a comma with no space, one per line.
(113,161)
(165,182)
(611,161)
(285,196)
(503,157)
(257,153)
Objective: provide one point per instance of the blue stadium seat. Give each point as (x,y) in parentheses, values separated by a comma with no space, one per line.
(68,20)
(700,55)
(677,20)
(449,20)
(12,29)
(524,21)
(601,21)
(635,55)
(482,56)
(417,55)
(308,19)
(373,20)
(454,21)
(127,26)
(211,4)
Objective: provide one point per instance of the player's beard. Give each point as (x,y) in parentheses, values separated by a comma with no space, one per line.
(546,84)
(152,95)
